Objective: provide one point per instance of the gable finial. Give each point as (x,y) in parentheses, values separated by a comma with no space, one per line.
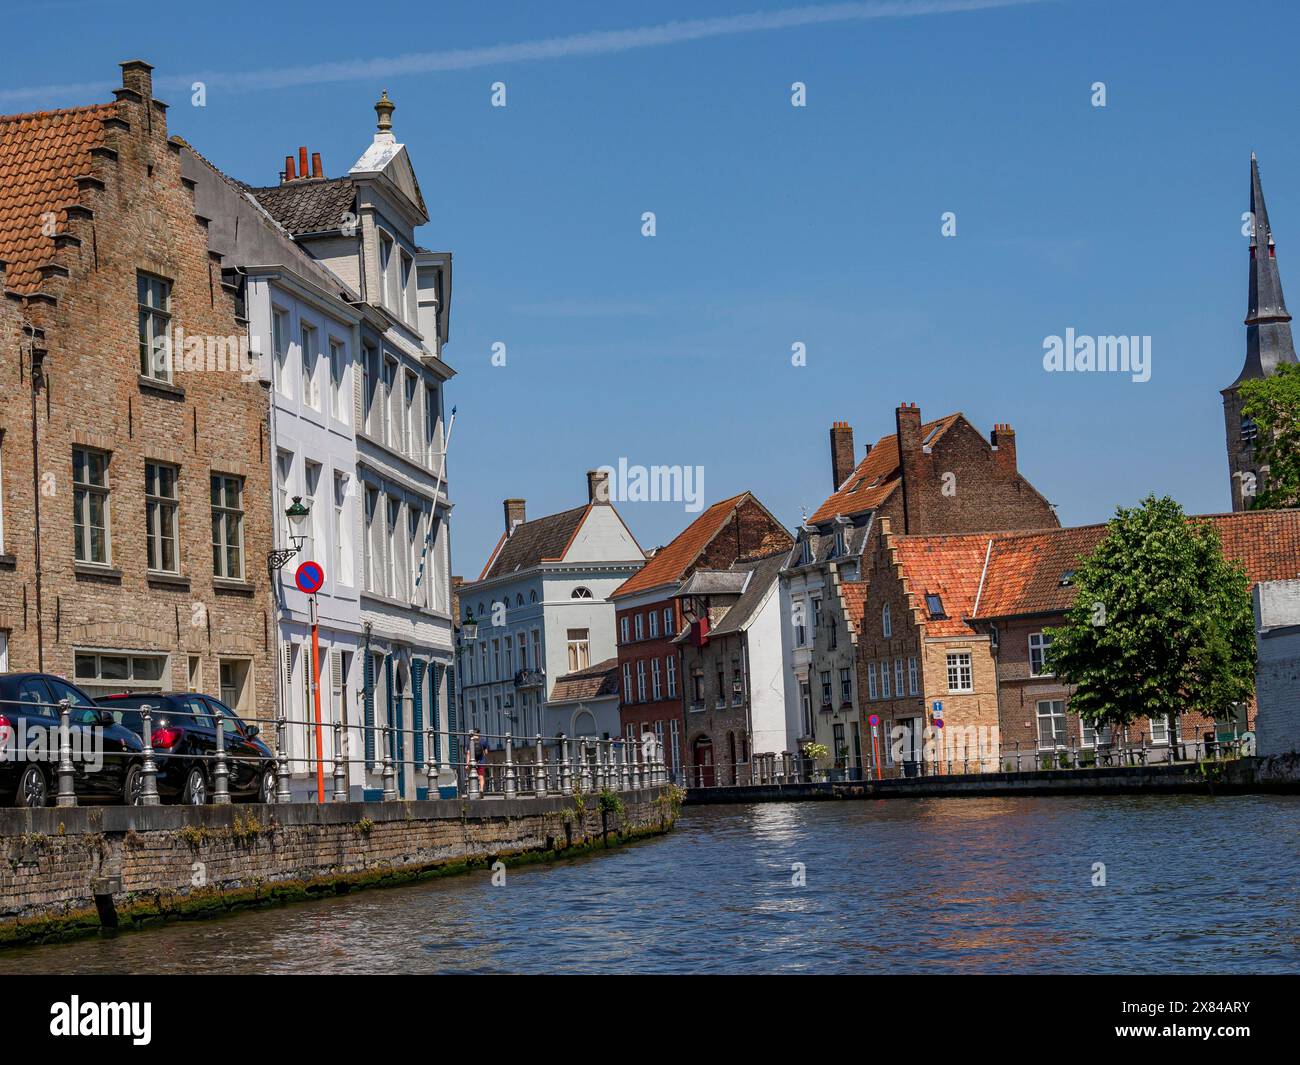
(384,109)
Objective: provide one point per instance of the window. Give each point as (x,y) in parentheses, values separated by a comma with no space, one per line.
(839,540)
(338,370)
(846,687)
(737,688)
(1039,642)
(654,624)
(90,531)
(397,559)
(676,743)
(886,623)
(638,624)
(538,661)
(154,296)
(234,683)
(414,548)
(1051,724)
(722,690)
(372,418)
(372,562)
(871,680)
(627,683)
(697,691)
(1088,734)
(583,593)
(100,674)
(805,552)
(672,677)
(283,477)
(496,659)
(431,455)
(404,300)
(1067,578)
(640,681)
(805,701)
(884,679)
(410,390)
(309,355)
(912,685)
(1249,431)
(385,269)
(826,687)
(579,649)
(523,650)
(800,631)
(669,627)
(656,681)
(314,546)
(160,506)
(835,633)
(934,604)
(342,531)
(622,628)
(388,400)
(227,495)
(898,677)
(816,616)
(280,349)
(959,672)
(1159,730)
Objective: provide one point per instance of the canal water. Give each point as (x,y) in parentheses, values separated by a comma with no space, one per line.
(1191,884)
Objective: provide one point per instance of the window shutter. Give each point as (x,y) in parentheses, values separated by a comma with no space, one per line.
(435,718)
(390,742)
(417,710)
(370,710)
(453,741)
(336,685)
(286,651)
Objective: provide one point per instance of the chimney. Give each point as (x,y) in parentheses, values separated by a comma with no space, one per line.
(138,76)
(1003,439)
(841,453)
(912,463)
(598,486)
(514,509)
(288,170)
(302,162)
(315,165)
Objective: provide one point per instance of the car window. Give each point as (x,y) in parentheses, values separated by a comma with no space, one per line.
(229,719)
(32,691)
(191,708)
(84,712)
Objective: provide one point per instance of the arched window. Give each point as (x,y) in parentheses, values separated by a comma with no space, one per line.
(532,597)
(886,623)
(519,599)
(1249,431)
(581,593)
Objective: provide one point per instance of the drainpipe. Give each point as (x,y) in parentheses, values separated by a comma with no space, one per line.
(36,363)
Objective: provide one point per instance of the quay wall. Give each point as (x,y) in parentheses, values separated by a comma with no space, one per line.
(68,872)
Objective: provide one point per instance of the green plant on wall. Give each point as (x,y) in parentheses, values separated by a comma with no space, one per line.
(611,803)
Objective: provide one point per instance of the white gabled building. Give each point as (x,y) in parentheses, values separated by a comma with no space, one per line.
(543,613)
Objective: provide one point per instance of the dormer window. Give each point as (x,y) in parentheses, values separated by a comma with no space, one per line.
(805,551)
(934,604)
(886,622)
(1067,578)
(840,545)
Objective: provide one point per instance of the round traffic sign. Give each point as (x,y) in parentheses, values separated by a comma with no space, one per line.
(874,720)
(309,577)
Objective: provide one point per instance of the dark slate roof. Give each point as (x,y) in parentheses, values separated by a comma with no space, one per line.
(314,205)
(762,572)
(595,682)
(1268,324)
(534,542)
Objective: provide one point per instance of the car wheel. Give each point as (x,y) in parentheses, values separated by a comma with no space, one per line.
(33,791)
(195,792)
(133,786)
(266,788)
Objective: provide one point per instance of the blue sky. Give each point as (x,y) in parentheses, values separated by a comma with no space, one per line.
(775,224)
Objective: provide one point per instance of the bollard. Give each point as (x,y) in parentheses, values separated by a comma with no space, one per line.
(601,775)
(149,788)
(430,766)
(340,765)
(220,773)
(539,775)
(390,771)
(282,794)
(511,777)
(67,795)
(562,758)
(622,765)
(471,769)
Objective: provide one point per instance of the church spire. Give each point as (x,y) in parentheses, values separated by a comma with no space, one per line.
(1268,325)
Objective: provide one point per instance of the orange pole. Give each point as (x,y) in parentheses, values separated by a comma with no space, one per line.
(315,671)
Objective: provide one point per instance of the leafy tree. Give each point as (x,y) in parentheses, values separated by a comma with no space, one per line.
(1273,404)
(1161,624)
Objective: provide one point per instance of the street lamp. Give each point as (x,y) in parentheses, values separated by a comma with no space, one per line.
(469,627)
(297,514)
(690,609)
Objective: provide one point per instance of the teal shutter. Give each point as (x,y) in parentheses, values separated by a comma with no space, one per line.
(453,741)
(370,710)
(435,718)
(390,747)
(417,710)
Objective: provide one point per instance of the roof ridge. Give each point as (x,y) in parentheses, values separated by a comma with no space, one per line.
(28,115)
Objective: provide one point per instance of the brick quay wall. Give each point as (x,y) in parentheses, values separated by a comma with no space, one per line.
(70,872)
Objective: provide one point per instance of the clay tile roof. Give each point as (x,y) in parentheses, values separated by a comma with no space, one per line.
(669,564)
(594,682)
(949,566)
(875,477)
(534,542)
(1025,570)
(314,205)
(40,155)
(854,596)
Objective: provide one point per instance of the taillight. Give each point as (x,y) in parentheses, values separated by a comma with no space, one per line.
(167,736)
(6,736)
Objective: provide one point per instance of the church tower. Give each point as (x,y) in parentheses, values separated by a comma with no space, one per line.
(1268,344)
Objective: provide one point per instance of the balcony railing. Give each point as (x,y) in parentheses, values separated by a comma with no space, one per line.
(530,678)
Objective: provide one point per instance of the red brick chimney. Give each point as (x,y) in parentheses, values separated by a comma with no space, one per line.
(1003,439)
(288,174)
(315,165)
(302,161)
(514,509)
(841,454)
(137,75)
(913,465)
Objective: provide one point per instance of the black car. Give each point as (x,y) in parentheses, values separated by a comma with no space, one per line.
(184,734)
(106,757)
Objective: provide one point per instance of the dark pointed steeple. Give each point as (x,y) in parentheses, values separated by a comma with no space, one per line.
(1268,325)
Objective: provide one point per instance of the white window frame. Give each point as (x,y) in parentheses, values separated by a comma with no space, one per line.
(886,622)
(871,680)
(1056,714)
(960,667)
(1039,642)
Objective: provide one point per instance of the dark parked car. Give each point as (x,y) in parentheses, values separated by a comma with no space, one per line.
(184,733)
(106,762)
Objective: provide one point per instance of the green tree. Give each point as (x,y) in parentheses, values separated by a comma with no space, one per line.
(1161,624)
(1273,404)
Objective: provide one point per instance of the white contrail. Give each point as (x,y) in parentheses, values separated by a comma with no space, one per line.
(601,42)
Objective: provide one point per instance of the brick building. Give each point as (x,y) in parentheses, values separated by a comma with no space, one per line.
(1268,345)
(934,477)
(143,452)
(648,614)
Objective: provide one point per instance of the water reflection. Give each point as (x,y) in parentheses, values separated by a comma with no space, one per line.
(934,885)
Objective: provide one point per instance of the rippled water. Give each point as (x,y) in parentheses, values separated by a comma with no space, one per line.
(926,885)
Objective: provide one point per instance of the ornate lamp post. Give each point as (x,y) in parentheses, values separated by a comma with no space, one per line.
(297,514)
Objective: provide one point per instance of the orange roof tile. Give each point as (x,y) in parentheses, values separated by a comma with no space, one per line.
(40,155)
(947,566)
(669,563)
(853,594)
(875,477)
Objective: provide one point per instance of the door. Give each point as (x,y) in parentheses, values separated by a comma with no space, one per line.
(910,749)
(857,751)
(703,763)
